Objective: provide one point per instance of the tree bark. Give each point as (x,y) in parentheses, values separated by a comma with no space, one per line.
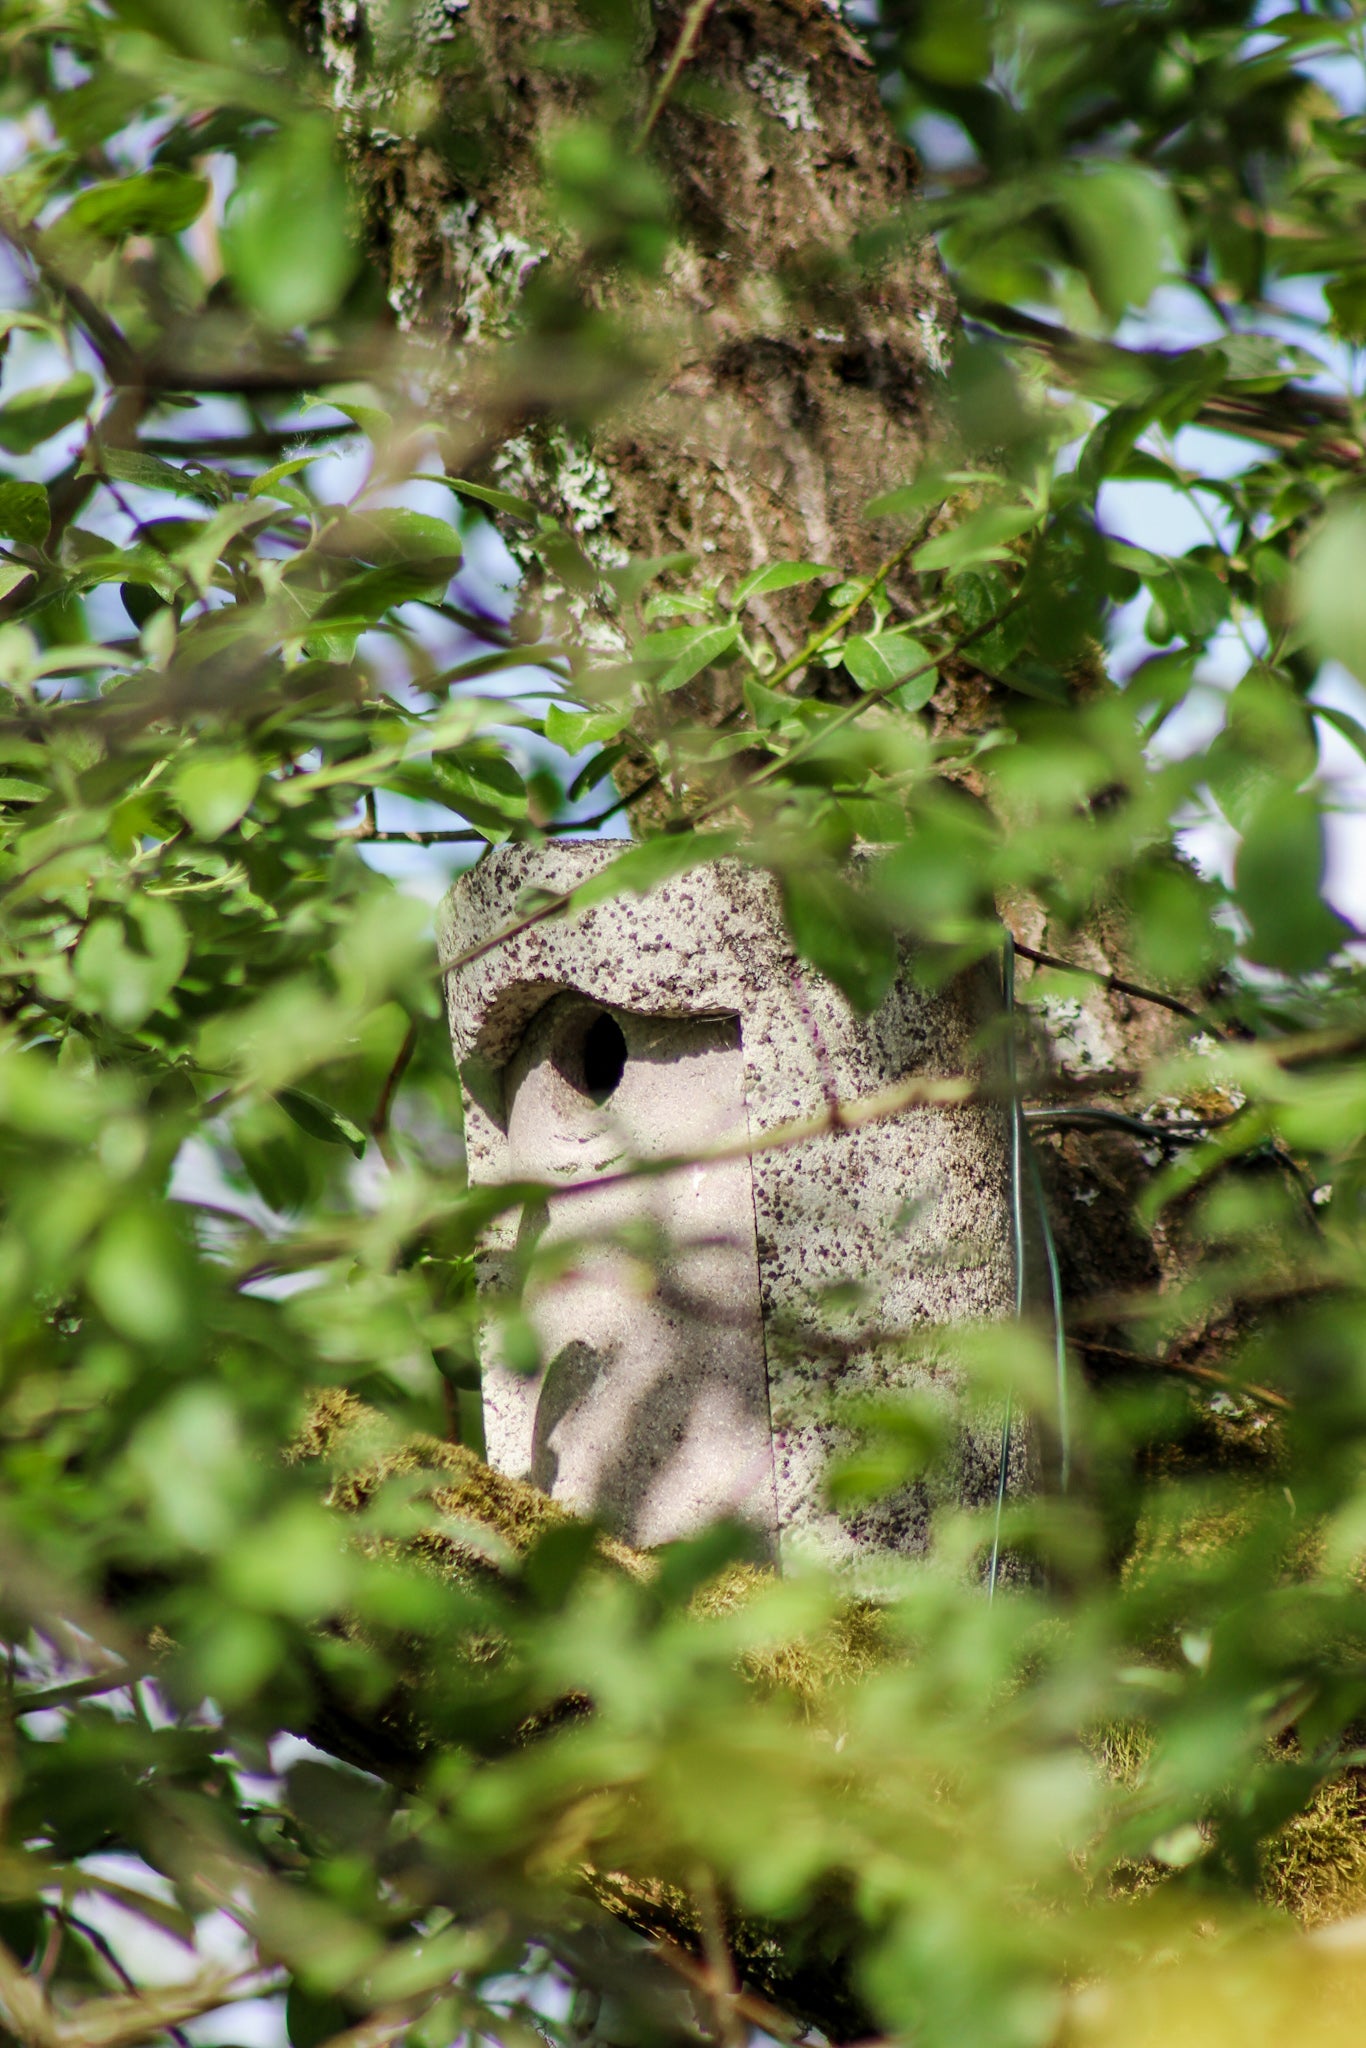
(779,381)
(786,366)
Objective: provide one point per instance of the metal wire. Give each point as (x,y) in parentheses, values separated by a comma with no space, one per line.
(1059,1327)
(1017,1144)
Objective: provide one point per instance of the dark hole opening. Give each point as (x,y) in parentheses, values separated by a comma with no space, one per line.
(604,1057)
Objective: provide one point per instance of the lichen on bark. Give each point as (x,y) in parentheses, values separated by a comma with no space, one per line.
(775,381)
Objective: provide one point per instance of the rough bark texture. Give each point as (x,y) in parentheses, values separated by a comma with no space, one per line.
(778,385)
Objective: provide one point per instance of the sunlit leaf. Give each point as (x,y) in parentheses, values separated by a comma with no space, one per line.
(840,930)
(776,576)
(574,730)
(1331,587)
(894,665)
(24,513)
(213,790)
(159,201)
(1279,881)
(320,1120)
(981,536)
(288,237)
(34,416)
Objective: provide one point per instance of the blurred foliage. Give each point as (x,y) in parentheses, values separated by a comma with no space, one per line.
(246,667)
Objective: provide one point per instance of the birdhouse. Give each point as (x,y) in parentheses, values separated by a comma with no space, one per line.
(722,1255)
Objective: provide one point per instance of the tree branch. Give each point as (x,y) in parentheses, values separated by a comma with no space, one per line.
(379,1122)
(1289,419)
(1120,986)
(694,21)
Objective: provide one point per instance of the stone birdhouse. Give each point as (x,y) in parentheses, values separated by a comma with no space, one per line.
(699,1328)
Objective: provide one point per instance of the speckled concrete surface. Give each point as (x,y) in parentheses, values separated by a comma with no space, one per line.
(866,1241)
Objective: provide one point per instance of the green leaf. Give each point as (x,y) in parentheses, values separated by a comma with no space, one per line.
(688,650)
(768,708)
(393,535)
(1346,295)
(1330,589)
(25,515)
(1351,728)
(287,239)
(1192,599)
(930,489)
(486,494)
(1129,230)
(214,790)
(981,536)
(311,2018)
(265,485)
(482,784)
(150,473)
(33,416)
(137,1275)
(777,576)
(641,868)
(364,599)
(159,201)
(952,42)
(320,1120)
(879,661)
(12,575)
(125,968)
(595,770)
(1263,362)
(574,730)
(1109,446)
(273,1153)
(1278,885)
(140,600)
(632,579)
(983,594)
(840,931)
(200,554)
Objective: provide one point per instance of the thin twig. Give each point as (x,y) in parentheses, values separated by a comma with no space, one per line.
(269,441)
(748,2005)
(1141,1306)
(1293,420)
(719,1984)
(1188,1370)
(103,1948)
(52,1948)
(555,905)
(116,353)
(955,1091)
(366,837)
(75,1690)
(296,1254)
(1166,1135)
(694,21)
(379,1122)
(1120,986)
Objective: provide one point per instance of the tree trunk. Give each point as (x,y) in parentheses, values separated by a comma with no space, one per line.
(785,367)
(778,384)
